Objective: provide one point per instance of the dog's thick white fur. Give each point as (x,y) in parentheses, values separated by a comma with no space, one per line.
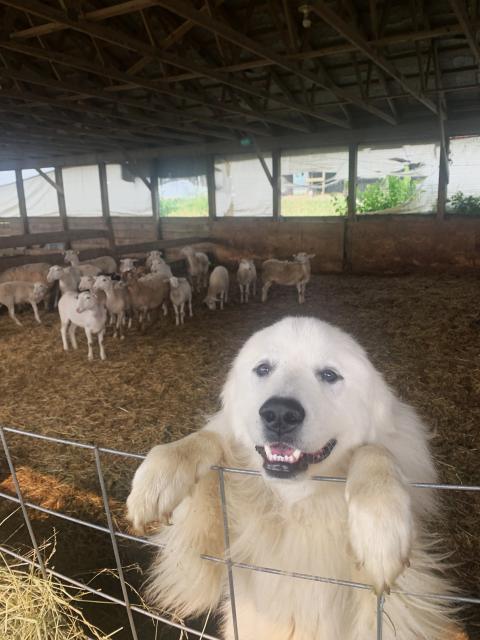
(370,530)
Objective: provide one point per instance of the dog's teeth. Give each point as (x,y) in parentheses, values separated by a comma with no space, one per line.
(268,451)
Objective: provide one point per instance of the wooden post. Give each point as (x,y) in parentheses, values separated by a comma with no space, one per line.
(62,206)
(212,202)
(102,173)
(156,211)
(443,176)
(276,184)
(21,200)
(352,181)
(351,207)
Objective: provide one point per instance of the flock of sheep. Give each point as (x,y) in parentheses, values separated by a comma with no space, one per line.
(95,293)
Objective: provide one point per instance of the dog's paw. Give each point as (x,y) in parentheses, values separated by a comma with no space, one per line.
(161,482)
(167,476)
(381,528)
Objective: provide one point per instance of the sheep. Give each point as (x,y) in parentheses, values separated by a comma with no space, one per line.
(68,277)
(117,301)
(147,293)
(218,286)
(287,273)
(93,267)
(246,276)
(33,272)
(152,257)
(82,310)
(17,292)
(161,268)
(84,268)
(86,283)
(198,264)
(180,294)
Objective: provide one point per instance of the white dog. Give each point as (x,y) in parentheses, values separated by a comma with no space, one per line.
(301,400)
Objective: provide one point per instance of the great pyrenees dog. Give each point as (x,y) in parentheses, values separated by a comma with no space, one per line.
(301,400)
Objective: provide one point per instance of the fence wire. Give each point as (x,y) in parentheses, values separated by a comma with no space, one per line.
(230,564)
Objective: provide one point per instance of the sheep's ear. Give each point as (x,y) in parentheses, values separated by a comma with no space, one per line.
(311,256)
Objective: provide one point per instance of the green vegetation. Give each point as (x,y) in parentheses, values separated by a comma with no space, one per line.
(466,205)
(195,206)
(387,193)
(319,205)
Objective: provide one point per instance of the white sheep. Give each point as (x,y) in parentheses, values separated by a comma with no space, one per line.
(117,301)
(288,273)
(217,288)
(82,310)
(17,292)
(180,294)
(92,267)
(32,272)
(153,256)
(68,277)
(86,283)
(246,276)
(198,264)
(161,268)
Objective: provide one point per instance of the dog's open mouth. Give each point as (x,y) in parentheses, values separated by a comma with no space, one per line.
(281,460)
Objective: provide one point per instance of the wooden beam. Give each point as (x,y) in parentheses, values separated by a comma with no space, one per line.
(181,8)
(443,178)
(62,206)
(113,74)
(276,184)
(102,174)
(352,35)
(465,22)
(94,16)
(211,187)
(352,181)
(262,161)
(21,202)
(51,182)
(156,204)
(28,239)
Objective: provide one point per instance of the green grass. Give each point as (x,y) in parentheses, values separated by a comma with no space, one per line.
(196,206)
(300,205)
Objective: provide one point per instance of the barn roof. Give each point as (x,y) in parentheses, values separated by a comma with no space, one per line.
(97,77)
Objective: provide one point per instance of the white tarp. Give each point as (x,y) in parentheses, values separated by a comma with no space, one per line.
(127,198)
(40,197)
(241,186)
(8,195)
(464,166)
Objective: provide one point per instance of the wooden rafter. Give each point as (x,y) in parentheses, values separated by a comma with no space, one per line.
(181,8)
(123,40)
(51,182)
(463,18)
(352,35)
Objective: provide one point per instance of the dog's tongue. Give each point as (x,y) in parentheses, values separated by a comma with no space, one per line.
(280,449)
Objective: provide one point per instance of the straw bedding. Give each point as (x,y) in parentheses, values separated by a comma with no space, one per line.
(422,332)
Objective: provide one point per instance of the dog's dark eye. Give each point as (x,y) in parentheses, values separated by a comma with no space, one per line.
(329,375)
(263,369)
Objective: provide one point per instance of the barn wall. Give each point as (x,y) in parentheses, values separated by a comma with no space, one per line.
(367,245)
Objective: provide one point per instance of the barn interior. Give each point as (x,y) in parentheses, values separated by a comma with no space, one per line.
(247,129)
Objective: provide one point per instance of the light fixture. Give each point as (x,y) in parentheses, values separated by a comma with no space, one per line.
(305,9)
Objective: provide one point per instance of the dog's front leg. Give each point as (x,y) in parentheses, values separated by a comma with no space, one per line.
(168,474)
(379,515)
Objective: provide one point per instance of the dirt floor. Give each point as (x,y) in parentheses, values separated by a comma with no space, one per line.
(421,332)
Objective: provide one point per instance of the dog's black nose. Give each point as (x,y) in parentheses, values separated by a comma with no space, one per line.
(281,415)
